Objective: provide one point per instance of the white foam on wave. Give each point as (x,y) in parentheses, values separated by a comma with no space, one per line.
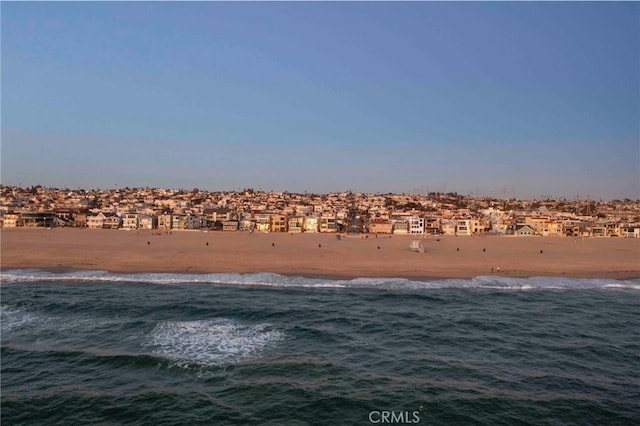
(50,328)
(14,318)
(629,285)
(276,280)
(210,342)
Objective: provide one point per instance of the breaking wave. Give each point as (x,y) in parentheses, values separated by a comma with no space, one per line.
(198,343)
(210,342)
(14,318)
(276,280)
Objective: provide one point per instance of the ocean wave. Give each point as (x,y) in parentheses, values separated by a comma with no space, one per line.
(12,318)
(208,343)
(51,327)
(276,280)
(199,343)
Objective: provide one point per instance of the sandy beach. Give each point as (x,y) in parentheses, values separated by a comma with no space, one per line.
(318,254)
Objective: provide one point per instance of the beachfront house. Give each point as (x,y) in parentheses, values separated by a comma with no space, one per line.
(130,221)
(278,223)
(448,226)
(499,228)
(196,221)
(599,231)
(164,221)
(262,222)
(524,230)
(536,223)
(380,226)
(416,225)
(70,217)
(630,231)
(80,219)
(64,216)
(400,226)
(479,226)
(613,229)
(247,223)
(111,221)
(328,224)
(230,225)
(432,225)
(146,221)
(464,227)
(104,220)
(216,214)
(95,221)
(11,220)
(551,228)
(179,221)
(571,230)
(311,224)
(296,224)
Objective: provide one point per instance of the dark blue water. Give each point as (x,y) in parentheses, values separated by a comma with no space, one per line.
(99,348)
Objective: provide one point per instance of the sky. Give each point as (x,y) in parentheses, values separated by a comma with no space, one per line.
(492,98)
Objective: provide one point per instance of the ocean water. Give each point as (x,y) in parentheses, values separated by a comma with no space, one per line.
(93,347)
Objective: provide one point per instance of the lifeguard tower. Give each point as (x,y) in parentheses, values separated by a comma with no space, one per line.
(416,246)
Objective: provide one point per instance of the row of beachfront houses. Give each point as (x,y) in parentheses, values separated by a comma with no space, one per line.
(400,224)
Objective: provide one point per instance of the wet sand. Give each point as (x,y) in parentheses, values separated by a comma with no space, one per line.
(318,254)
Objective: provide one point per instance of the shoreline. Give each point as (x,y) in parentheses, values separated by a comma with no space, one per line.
(318,255)
(608,275)
(612,275)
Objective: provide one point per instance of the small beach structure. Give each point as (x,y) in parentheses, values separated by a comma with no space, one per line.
(416,246)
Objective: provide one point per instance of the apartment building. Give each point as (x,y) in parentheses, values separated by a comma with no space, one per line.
(112,221)
(400,226)
(296,224)
(380,226)
(230,225)
(432,225)
(278,223)
(103,220)
(416,225)
(130,221)
(11,220)
(464,227)
(448,226)
(146,221)
(328,224)
(262,222)
(311,224)
(165,221)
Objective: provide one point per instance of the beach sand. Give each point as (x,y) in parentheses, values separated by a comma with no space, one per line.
(318,254)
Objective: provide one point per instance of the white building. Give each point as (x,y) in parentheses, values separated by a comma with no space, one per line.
(96,221)
(310,224)
(296,224)
(400,226)
(130,221)
(448,227)
(328,224)
(464,227)
(416,225)
(146,221)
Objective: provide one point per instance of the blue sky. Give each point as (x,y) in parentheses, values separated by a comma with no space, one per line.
(320,97)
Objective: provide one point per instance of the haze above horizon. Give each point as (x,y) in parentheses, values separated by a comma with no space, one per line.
(324,97)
